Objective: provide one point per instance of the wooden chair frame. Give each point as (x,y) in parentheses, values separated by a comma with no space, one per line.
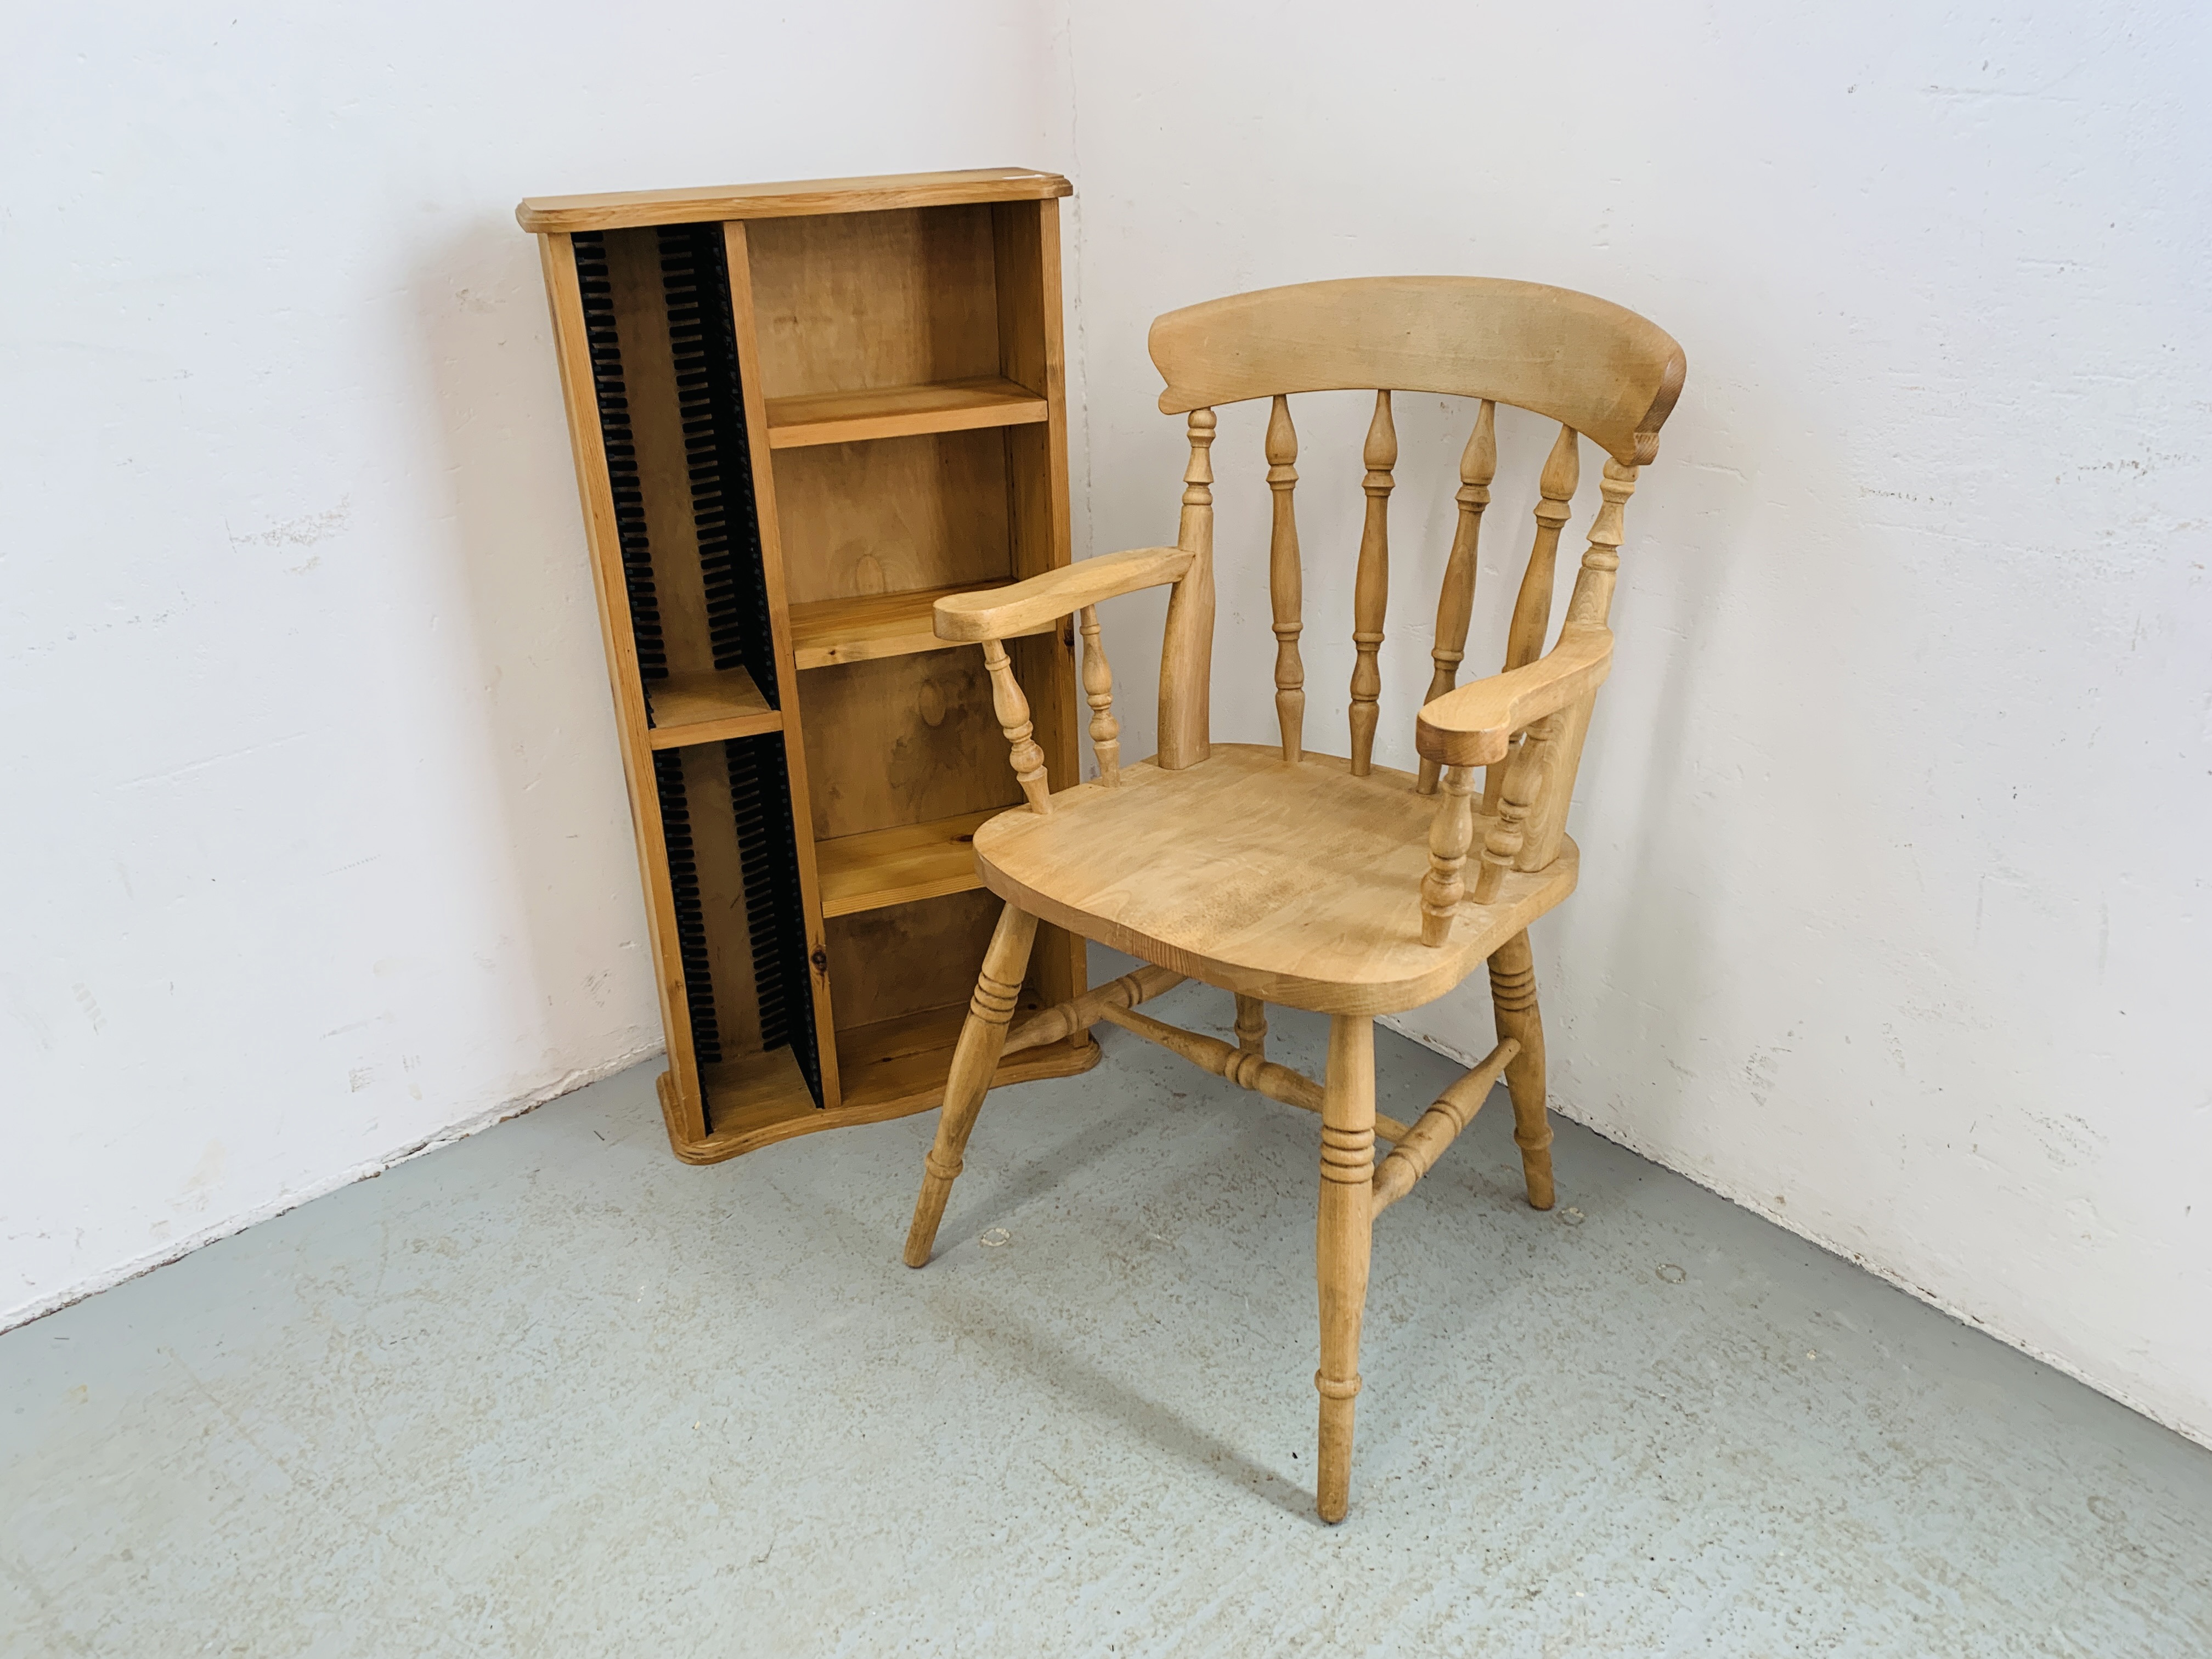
(1602,372)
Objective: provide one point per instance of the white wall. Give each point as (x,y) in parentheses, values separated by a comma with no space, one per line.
(314,832)
(1896,811)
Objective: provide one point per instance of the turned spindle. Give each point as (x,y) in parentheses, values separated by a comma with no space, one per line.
(1526,776)
(1532,606)
(1285,583)
(1478,465)
(1449,840)
(1590,606)
(1013,711)
(1186,648)
(1370,590)
(1099,691)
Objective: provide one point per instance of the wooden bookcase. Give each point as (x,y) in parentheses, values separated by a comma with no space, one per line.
(799,413)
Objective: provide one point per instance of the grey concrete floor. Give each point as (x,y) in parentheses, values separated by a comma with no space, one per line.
(549,1391)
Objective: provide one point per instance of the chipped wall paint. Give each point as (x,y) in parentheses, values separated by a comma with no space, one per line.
(317,847)
(1894,816)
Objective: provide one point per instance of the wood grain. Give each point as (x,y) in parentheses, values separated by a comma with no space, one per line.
(903,740)
(608,211)
(868,301)
(1478,465)
(1000,613)
(898,1069)
(895,516)
(832,631)
(983,1035)
(1513,999)
(1079,1014)
(696,707)
(900,411)
(895,960)
(897,865)
(1418,1149)
(1286,579)
(1583,362)
(1343,1238)
(1474,726)
(1187,651)
(1371,592)
(1297,884)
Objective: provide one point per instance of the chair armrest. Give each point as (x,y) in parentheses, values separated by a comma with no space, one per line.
(999,613)
(1475,725)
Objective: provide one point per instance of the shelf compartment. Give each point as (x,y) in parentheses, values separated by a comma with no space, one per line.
(893,866)
(833,631)
(901,411)
(897,1066)
(755,1091)
(708,706)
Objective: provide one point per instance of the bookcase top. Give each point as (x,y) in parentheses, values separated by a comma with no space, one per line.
(791,199)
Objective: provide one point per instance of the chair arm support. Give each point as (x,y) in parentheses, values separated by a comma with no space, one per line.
(1475,725)
(999,613)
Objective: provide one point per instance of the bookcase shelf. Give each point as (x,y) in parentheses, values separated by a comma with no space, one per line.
(834,631)
(708,706)
(800,415)
(901,411)
(895,866)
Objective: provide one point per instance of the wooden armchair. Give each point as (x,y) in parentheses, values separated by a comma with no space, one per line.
(1318,881)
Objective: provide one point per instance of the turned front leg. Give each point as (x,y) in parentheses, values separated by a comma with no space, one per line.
(1342,1239)
(974,1059)
(1513,1000)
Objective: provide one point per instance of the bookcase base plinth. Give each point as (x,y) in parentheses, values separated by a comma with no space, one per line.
(901,1084)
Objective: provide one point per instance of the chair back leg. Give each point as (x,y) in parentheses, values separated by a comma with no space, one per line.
(1513,997)
(974,1060)
(1343,1238)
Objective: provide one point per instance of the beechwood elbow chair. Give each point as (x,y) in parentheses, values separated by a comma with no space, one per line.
(1317,881)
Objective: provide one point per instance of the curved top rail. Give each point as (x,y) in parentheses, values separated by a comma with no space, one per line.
(1586,362)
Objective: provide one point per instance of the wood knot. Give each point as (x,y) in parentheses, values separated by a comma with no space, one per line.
(1336,1387)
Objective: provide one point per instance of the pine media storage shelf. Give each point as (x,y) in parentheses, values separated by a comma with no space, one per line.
(800,414)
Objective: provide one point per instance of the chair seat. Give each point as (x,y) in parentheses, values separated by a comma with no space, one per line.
(1298,884)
